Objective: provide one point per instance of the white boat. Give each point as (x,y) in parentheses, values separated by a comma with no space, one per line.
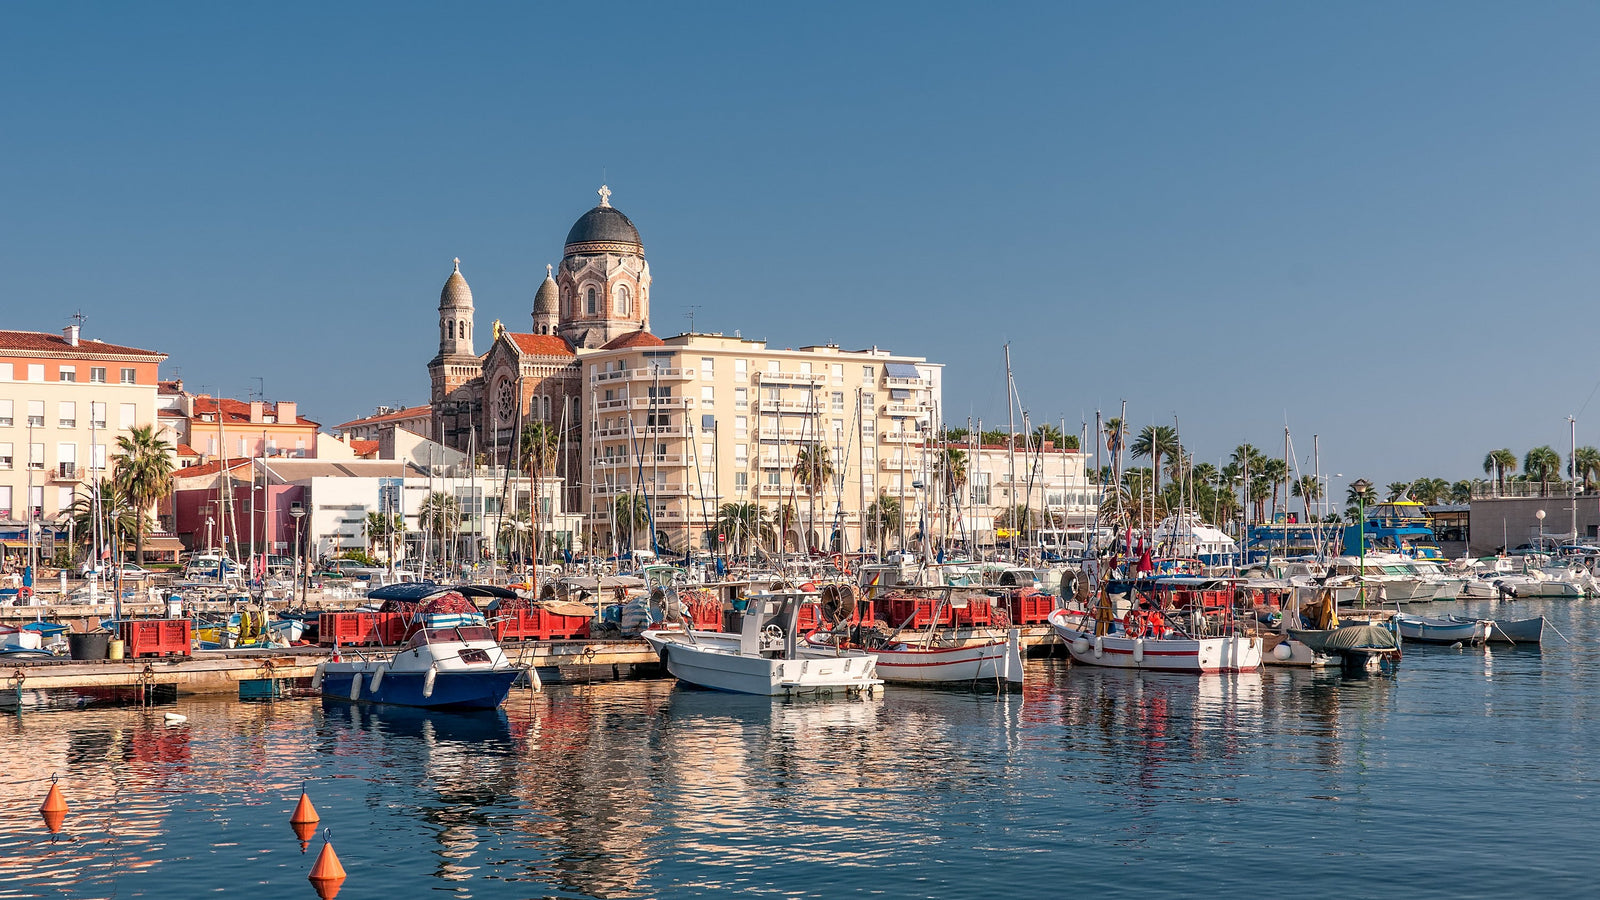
(451,661)
(1388,578)
(1127,648)
(764,657)
(993,661)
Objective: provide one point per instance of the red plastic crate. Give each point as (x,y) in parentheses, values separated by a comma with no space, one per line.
(156,637)
(359,628)
(539,625)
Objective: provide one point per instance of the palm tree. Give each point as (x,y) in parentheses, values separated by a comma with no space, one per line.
(539,445)
(1276,473)
(1543,464)
(631,513)
(744,525)
(951,466)
(1498,463)
(1461,492)
(1017,518)
(1398,489)
(115,518)
(142,475)
(1260,492)
(812,471)
(1116,436)
(1586,466)
(1048,432)
(882,518)
(1154,442)
(1430,491)
(991,438)
(379,527)
(1204,473)
(954,435)
(440,517)
(1355,500)
(1309,490)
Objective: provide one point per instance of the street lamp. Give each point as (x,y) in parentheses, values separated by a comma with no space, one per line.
(297,512)
(1540,516)
(1361,486)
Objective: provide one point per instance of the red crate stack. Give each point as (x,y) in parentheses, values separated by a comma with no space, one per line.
(156,637)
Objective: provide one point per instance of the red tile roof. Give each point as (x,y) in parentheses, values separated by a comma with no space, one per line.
(186,450)
(541,344)
(410,412)
(365,449)
(238,411)
(634,339)
(45,342)
(210,468)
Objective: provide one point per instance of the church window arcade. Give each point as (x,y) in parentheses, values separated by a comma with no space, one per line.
(624,301)
(589,307)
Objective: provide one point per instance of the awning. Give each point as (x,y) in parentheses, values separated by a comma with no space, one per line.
(901,370)
(899,394)
(164,544)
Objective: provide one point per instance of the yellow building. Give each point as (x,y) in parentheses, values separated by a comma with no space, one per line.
(699,420)
(64,399)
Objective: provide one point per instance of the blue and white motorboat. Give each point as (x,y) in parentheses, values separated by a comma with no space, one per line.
(450,660)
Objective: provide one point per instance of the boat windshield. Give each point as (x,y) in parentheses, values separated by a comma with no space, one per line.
(464,633)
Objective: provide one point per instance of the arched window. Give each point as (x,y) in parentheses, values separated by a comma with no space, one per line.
(624,301)
(547,409)
(590,301)
(452,329)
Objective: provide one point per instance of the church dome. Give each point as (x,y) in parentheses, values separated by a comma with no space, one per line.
(547,300)
(456,292)
(603,225)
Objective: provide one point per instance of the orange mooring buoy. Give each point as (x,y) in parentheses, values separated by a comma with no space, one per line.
(54,807)
(327,875)
(305,813)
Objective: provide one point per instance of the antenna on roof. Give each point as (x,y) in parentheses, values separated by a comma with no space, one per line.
(79,317)
(690,316)
(259,392)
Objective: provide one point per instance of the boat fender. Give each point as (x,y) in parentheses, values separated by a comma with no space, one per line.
(1282,652)
(1138,650)
(355,686)
(1099,646)
(1080,645)
(316,677)
(428,680)
(377,678)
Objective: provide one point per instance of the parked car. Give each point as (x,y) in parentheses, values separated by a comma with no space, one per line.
(133,572)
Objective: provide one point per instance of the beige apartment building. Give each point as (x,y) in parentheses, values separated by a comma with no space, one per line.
(699,420)
(64,400)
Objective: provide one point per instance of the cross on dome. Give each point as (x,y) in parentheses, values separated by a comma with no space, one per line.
(458,264)
(605,195)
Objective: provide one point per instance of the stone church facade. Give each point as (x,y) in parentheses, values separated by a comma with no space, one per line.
(599,295)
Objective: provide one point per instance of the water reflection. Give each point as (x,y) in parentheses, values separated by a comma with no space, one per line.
(640,789)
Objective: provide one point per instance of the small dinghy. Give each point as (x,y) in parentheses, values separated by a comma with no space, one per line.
(1519,631)
(1446,630)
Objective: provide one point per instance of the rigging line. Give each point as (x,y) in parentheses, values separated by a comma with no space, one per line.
(1591,397)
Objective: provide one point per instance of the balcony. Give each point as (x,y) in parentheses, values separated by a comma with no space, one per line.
(623,462)
(897,382)
(804,407)
(65,472)
(661,403)
(643,374)
(799,378)
(902,437)
(777,462)
(906,409)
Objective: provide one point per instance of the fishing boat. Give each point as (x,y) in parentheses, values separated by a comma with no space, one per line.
(941,653)
(1171,624)
(13,637)
(1360,646)
(449,660)
(764,657)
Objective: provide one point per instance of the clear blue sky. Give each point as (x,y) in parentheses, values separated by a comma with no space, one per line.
(1377,221)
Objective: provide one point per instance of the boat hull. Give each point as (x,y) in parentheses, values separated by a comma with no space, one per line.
(485,689)
(999,661)
(1439,631)
(712,661)
(1199,656)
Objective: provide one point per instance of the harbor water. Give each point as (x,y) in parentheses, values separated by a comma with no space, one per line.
(1468,773)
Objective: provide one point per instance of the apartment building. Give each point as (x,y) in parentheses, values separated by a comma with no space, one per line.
(206,427)
(64,399)
(699,420)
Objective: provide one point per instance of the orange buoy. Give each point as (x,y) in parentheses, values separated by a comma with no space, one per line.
(305,813)
(54,807)
(327,875)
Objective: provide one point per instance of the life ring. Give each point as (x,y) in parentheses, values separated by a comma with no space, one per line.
(809,587)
